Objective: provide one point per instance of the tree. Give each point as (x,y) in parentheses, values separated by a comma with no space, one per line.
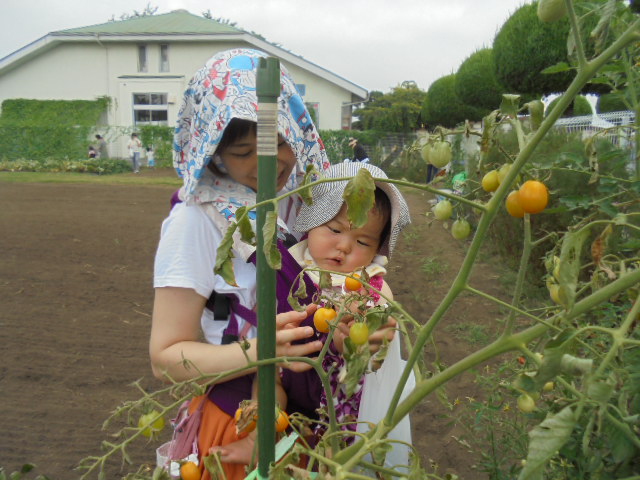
(148,11)
(397,111)
(444,107)
(476,82)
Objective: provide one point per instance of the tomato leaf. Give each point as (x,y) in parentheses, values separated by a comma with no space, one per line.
(536,113)
(359,196)
(244,225)
(270,247)
(325,280)
(570,265)
(306,193)
(301,292)
(575,366)
(509,105)
(557,68)
(356,362)
(545,440)
(224,257)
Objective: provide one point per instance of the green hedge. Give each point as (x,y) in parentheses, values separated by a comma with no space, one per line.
(476,82)
(444,107)
(41,129)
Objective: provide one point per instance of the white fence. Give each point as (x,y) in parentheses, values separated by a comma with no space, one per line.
(611,126)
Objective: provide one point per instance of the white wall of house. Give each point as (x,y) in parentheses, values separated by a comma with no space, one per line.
(87,70)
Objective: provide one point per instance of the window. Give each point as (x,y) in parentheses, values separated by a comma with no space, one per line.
(142,58)
(150,109)
(164,58)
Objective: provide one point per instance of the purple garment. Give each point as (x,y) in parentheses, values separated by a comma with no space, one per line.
(303,389)
(175,198)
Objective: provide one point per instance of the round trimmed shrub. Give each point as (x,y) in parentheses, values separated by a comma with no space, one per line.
(476,82)
(611,102)
(525,46)
(444,107)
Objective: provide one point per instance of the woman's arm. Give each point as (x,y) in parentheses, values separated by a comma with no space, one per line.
(176,336)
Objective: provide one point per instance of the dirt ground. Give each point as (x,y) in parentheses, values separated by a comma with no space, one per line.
(75,304)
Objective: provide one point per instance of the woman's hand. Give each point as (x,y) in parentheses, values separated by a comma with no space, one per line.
(289,331)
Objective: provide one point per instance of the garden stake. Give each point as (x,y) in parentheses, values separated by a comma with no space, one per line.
(268,88)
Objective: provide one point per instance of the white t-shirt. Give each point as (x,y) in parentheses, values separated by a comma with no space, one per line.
(186,257)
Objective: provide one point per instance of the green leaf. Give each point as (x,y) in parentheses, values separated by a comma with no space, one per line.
(359,196)
(489,123)
(301,292)
(618,436)
(244,225)
(325,280)
(509,105)
(570,265)
(599,392)
(224,258)
(307,193)
(536,112)
(557,68)
(576,366)
(545,441)
(270,247)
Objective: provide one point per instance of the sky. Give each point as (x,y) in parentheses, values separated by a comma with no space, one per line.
(376,44)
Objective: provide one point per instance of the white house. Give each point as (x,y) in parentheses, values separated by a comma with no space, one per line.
(144,64)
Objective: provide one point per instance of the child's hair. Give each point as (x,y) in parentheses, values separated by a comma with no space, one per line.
(382,206)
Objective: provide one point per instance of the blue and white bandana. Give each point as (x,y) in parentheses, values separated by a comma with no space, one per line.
(224,89)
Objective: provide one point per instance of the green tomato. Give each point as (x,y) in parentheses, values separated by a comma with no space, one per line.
(440,154)
(443,210)
(150,425)
(359,333)
(460,229)
(424,152)
(526,404)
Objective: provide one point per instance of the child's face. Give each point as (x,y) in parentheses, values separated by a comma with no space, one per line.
(241,161)
(336,246)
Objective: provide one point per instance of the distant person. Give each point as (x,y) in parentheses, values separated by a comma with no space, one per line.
(102,147)
(135,147)
(359,153)
(151,159)
(93,153)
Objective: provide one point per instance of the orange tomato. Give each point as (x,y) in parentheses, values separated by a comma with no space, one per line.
(189,471)
(351,284)
(533,196)
(322,317)
(282,421)
(513,205)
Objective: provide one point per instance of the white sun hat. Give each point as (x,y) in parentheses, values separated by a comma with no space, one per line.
(328,200)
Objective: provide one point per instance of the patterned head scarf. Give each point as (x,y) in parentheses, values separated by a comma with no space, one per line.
(224,89)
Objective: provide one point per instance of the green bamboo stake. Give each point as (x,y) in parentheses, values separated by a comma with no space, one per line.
(268,88)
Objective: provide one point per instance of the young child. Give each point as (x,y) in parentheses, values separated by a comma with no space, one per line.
(135,147)
(151,160)
(333,244)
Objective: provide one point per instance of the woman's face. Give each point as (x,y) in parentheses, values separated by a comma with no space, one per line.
(240,159)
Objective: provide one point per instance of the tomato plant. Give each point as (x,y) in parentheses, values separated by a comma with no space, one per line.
(282,421)
(460,229)
(359,333)
(439,154)
(189,471)
(351,284)
(322,319)
(533,196)
(491,181)
(512,203)
(443,210)
(150,424)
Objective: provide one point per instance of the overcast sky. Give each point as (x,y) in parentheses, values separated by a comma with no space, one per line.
(376,44)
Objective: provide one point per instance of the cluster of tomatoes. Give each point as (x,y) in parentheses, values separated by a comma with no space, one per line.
(326,316)
(532,197)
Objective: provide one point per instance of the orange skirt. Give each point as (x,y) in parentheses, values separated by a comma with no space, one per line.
(217,429)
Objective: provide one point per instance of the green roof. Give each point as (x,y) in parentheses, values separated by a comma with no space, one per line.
(178,22)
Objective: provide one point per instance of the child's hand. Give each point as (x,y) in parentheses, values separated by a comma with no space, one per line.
(289,331)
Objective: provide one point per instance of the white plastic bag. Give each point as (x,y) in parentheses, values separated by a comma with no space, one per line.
(376,396)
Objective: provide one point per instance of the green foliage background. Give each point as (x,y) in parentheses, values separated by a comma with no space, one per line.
(476,82)
(445,108)
(41,129)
